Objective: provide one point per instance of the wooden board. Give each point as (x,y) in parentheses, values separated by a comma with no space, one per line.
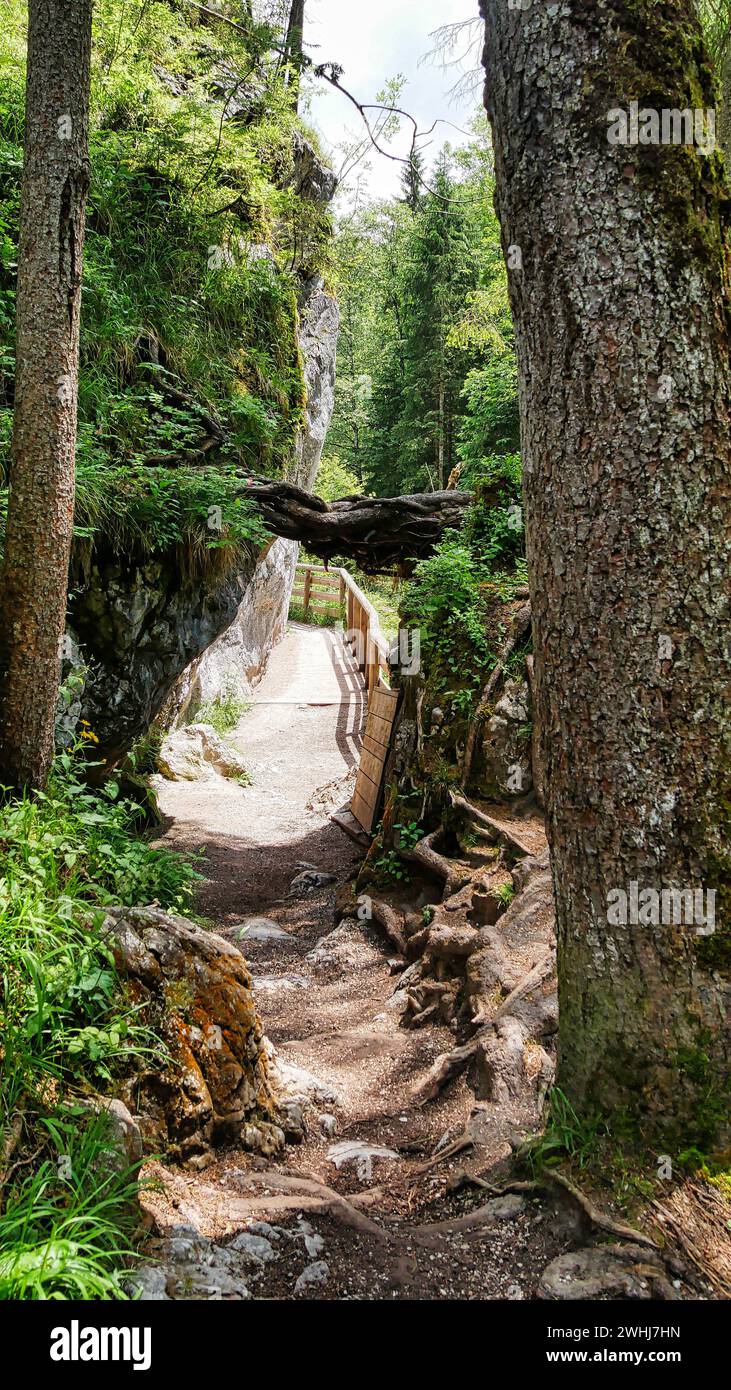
(382,706)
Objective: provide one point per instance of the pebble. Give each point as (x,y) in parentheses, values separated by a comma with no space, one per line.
(313,1276)
(253,1247)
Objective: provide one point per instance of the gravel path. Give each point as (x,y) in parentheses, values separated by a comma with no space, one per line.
(301,735)
(326,1001)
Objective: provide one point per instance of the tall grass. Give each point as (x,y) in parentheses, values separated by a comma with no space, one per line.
(68,1027)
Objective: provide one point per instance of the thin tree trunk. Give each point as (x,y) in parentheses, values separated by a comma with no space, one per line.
(621,317)
(293,44)
(33,589)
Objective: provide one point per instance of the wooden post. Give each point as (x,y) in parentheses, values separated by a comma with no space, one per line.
(363,653)
(342,593)
(308,585)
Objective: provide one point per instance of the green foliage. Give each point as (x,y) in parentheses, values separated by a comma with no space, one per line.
(200,510)
(408,834)
(335,480)
(426,366)
(390,866)
(67,1225)
(565,1136)
(68,1022)
(223,713)
(189,352)
(505,892)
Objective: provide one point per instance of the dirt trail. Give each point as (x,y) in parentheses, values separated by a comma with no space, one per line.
(326,1000)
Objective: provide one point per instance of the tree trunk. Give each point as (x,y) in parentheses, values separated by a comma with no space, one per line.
(40,510)
(617,266)
(293,45)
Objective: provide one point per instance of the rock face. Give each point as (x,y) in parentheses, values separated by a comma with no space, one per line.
(505,757)
(145,639)
(318,336)
(196,753)
(233,663)
(214,1087)
(138,625)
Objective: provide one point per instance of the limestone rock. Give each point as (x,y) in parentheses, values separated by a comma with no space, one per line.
(196,753)
(216,1081)
(312,1277)
(606,1272)
(505,760)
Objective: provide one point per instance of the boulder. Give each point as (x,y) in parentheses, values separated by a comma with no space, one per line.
(213,1087)
(196,753)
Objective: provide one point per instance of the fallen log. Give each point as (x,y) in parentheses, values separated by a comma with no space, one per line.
(379,533)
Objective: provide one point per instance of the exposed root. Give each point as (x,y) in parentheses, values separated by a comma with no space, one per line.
(293,1193)
(446,1067)
(499,832)
(454,876)
(596,1217)
(392,923)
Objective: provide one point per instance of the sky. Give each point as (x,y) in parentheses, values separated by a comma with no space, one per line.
(373,42)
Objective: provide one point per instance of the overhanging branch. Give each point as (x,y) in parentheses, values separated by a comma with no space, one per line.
(379,533)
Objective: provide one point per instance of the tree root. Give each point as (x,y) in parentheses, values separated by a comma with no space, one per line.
(446,1067)
(294,1193)
(453,876)
(392,923)
(596,1217)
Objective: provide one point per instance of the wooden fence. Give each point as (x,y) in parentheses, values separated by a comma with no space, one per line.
(336,592)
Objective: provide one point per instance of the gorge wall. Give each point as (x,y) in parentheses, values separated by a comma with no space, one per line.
(151,635)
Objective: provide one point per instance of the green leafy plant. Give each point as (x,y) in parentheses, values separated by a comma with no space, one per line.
(223,713)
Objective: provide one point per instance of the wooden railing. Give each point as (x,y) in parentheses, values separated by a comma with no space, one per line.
(336,590)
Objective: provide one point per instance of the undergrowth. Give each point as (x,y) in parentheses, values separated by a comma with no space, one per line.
(196,237)
(223,713)
(69,1027)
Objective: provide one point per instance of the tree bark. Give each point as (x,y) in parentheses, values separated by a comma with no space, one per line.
(293,45)
(621,318)
(33,589)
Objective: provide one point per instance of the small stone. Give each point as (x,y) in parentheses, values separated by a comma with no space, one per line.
(362,1155)
(255,1248)
(312,1277)
(293,1121)
(261,929)
(265,1139)
(328,1124)
(149,1284)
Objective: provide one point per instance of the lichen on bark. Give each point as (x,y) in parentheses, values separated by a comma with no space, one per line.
(621,317)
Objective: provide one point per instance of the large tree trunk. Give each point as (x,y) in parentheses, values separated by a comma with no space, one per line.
(621,316)
(40,509)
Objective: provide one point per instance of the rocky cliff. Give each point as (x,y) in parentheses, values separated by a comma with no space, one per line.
(236,659)
(148,633)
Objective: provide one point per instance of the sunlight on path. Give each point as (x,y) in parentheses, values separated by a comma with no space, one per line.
(302,733)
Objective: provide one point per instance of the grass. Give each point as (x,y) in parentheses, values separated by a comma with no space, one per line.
(318,617)
(69,1027)
(224,713)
